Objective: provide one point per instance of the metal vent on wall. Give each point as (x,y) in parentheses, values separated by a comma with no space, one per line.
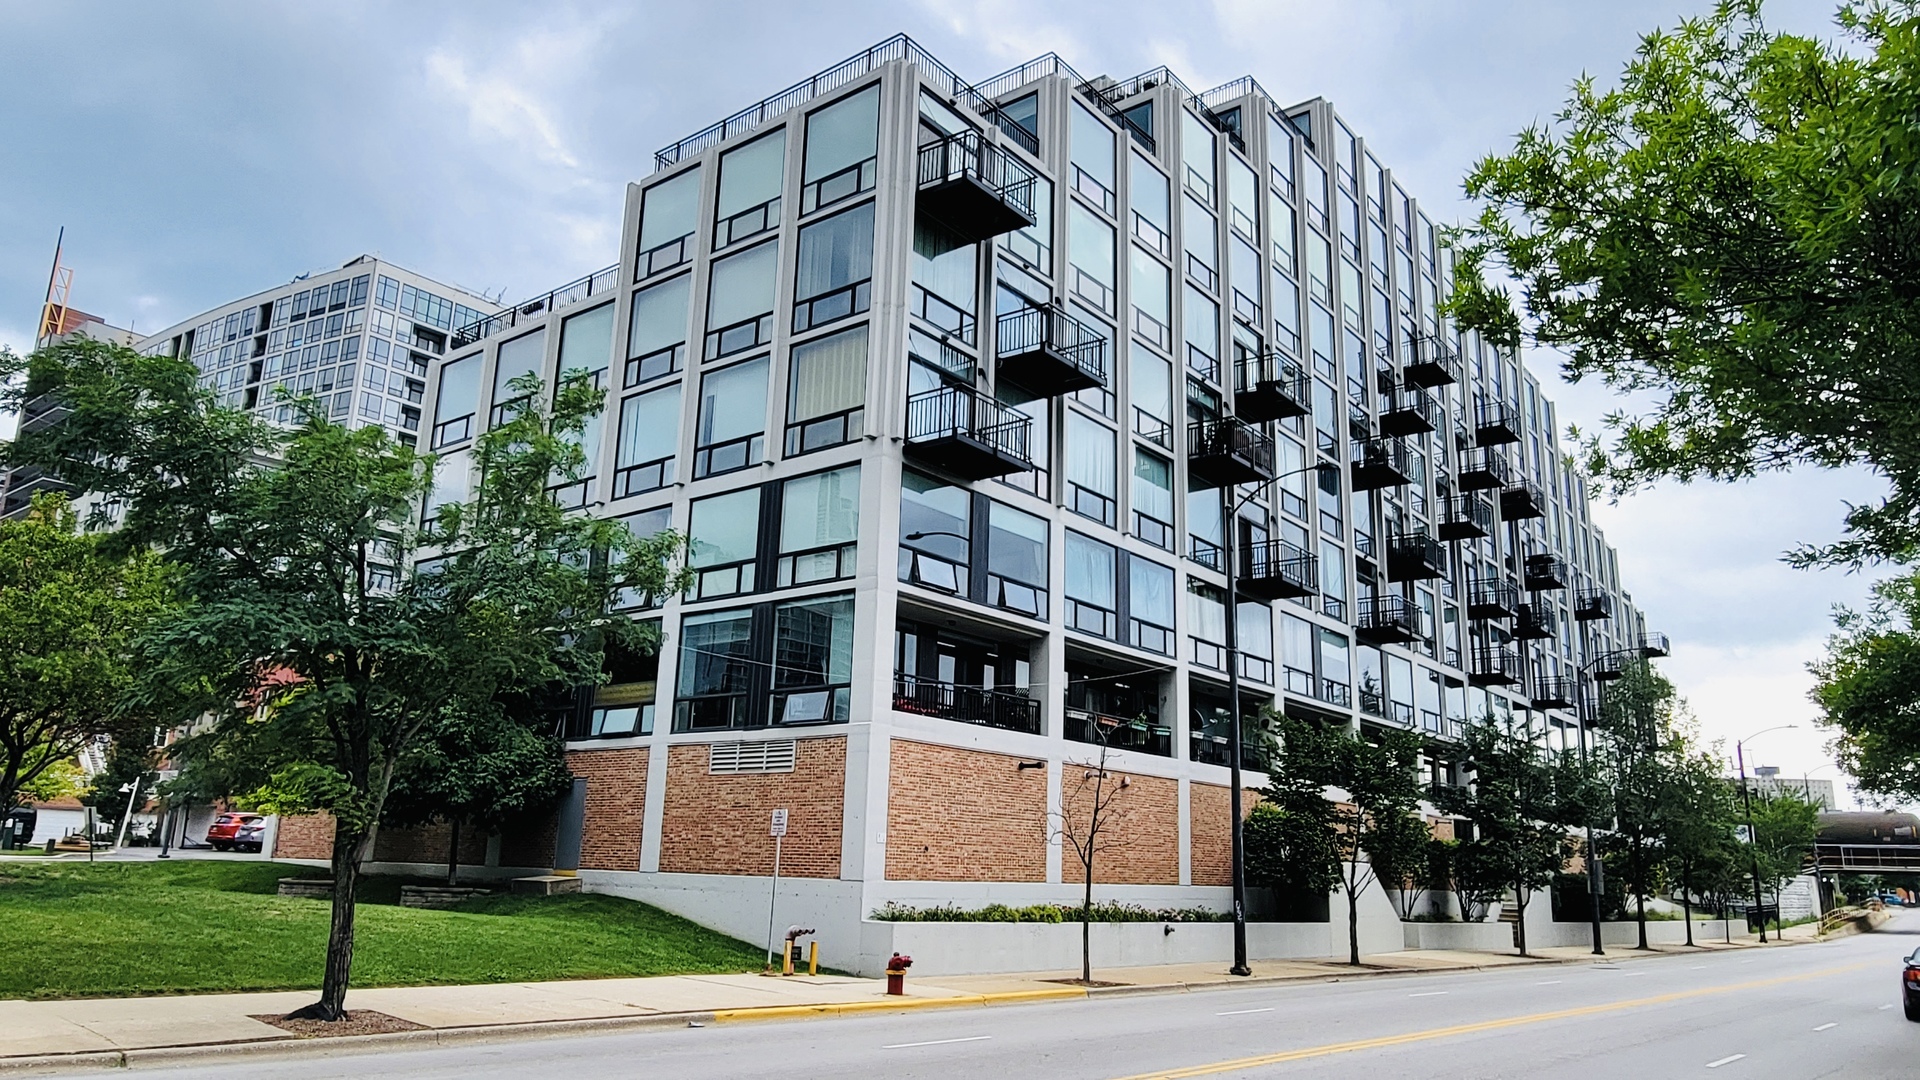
(750,757)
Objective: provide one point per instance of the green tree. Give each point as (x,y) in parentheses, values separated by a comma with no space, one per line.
(1868,690)
(1727,233)
(1697,808)
(69,611)
(130,765)
(1784,827)
(330,633)
(1517,812)
(1641,744)
(1289,834)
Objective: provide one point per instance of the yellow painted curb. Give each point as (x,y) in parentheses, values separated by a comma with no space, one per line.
(782,1012)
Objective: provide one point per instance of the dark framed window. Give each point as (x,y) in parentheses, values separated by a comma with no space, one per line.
(649,441)
(819,527)
(459,400)
(740,301)
(1093,603)
(723,545)
(718,674)
(657,331)
(827,391)
(842,150)
(733,418)
(751,179)
(834,278)
(812,661)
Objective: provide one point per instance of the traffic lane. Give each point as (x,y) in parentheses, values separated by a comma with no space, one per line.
(1120,1036)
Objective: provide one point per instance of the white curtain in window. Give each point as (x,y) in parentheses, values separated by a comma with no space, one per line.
(1150,591)
(1206,613)
(944,266)
(829,375)
(733,402)
(820,510)
(1090,245)
(1090,571)
(1090,454)
(1255,631)
(1153,485)
(844,133)
(834,253)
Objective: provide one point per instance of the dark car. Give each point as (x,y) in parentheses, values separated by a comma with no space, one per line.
(236,832)
(1910,986)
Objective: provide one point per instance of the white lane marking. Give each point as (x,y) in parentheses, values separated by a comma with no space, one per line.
(1824,1027)
(1884,1008)
(1725,1061)
(1549,982)
(937,1042)
(1243,1012)
(1633,974)
(1698,967)
(1428,993)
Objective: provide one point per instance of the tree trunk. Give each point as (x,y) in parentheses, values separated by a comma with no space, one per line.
(1520,924)
(453,854)
(1353,924)
(1640,897)
(1686,896)
(1086,915)
(348,850)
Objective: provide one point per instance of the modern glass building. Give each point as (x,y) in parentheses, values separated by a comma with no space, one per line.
(963,392)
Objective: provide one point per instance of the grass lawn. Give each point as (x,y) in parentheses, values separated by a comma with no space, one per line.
(200,926)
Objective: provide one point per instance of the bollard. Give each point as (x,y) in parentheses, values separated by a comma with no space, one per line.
(813,958)
(897,967)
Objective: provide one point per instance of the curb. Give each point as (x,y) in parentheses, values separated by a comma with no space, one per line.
(850,1008)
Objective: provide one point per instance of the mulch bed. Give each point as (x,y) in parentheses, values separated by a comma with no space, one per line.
(358,1022)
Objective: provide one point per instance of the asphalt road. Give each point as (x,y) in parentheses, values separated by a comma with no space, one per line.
(1795,1012)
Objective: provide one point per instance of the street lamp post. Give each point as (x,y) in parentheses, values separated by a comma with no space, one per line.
(1234,740)
(1596,887)
(1746,805)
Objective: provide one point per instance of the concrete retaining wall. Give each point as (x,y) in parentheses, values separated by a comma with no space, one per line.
(1473,937)
(1551,934)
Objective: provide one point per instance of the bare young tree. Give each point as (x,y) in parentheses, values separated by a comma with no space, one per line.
(1094,811)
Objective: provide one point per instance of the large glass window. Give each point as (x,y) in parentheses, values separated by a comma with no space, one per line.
(740,301)
(842,141)
(1245,269)
(1243,195)
(945,279)
(1199,231)
(1149,605)
(1153,499)
(1207,623)
(1092,604)
(716,672)
(586,348)
(819,527)
(733,419)
(657,331)
(623,705)
(643,525)
(1090,250)
(459,399)
(1152,298)
(1196,153)
(827,391)
(812,661)
(1150,388)
(1034,245)
(649,441)
(1200,323)
(669,216)
(1152,205)
(935,533)
(751,178)
(1092,153)
(523,355)
(835,275)
(723,542)
(1255,642)
(1016,560)
(452,475)
(1090,468)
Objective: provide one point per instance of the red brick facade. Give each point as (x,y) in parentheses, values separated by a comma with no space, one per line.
(309,836)
(964,815)
(1140,830)
(428,844)
(616,805)
(718,824)
(1210,856)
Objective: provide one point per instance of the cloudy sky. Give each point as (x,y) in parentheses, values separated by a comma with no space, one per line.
(197,152)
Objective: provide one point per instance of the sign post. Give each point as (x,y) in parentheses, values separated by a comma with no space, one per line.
(778,830)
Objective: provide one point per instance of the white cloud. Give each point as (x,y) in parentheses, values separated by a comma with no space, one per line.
(500,107)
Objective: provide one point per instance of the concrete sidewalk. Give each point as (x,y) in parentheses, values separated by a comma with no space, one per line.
(125,1031)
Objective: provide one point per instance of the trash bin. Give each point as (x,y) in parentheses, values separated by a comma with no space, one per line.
(16,830)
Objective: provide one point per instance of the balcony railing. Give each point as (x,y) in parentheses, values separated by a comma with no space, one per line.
(966,704)
(1415,556)
(1429,361)
(1545,572)
(1409,411)
(1593,604)
(598,283)
(1496,423)
(1387,619)
(1613,665)
(1522,501)
(1535,622)
(1270,386)
(1494,667)
(1380,463)
(967,433)
(974,188)
(1489,470)
(1654,644)
(1492,598)
(1553,692)
(1465,517)
(1225,451)
(1277,570)
(1049,352)
(1138,732)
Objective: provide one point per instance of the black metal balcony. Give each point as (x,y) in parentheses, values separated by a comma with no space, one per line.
(1380,463)
(1489,471)
(1465,517)
(1496,423)
(1277,570)
(1430,362)
(1654,644)
(1522,501)
(967,434)
(1552,692)
(966,704)
(1410,411)
(1543,572)
(1225,451)
(1535,621)
(974,188)
(1270,386)
(1610,666)
(1048,352)
(1492,599)
(1415,556)
(1494,667)
(1387,619)
(1593,604)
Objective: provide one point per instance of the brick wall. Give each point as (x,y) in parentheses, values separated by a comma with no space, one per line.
(308,836)
(1211,840)
(964,815)
(616,805)
(1143,822)
(718,824)
(428,844)
(528,841)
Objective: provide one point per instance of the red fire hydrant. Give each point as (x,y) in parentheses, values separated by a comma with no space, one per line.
(897,967)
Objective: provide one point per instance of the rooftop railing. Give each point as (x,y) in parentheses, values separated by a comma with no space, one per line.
(598,283)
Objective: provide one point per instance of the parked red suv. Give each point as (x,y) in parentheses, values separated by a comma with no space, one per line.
(236,832)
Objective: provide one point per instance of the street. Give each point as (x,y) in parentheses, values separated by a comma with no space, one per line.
(1796,1012)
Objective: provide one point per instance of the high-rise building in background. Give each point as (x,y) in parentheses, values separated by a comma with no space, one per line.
(959,391)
